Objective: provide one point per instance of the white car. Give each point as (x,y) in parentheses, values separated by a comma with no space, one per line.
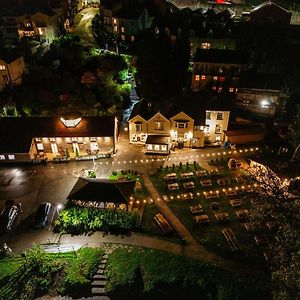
(7,218)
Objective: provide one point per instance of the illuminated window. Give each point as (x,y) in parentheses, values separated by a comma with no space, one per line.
(197,77)
(27,24)
(219,116)
(123,37)
(2,67)
(205,45)
(40,146)
(52,139)
(214,88)
(208,115)
(93,139)
(80,140)
(115,28)
(218,129)
(143,137)
(2,157)
(94,146)
(156,147)
(132,38)
(38,139)
(231,90)
(150,147)
(74,139)
(203,77)
(122,29)
(220,89)
(159,126)
(71,123)
(215,78)
(11,156)
(218,138)
(115,21)
(138,127)
(164,147)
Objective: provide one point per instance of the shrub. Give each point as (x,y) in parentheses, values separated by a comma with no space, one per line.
(78,220)
(214,205)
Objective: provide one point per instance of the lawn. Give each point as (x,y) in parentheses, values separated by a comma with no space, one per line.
(39,273)
(210,234)
(138,273)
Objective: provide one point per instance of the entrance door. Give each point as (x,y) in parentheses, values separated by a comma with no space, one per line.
(54,148)
(76,148)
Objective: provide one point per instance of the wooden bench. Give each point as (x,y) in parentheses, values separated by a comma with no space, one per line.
(231,239)
(163,223)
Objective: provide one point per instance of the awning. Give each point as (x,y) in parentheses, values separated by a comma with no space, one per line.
(158,139)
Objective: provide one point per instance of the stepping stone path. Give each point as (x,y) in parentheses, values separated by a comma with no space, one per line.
(99,281)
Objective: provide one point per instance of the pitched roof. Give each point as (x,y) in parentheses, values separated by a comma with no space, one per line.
(158,139)
(221,56)
(268,4)
(263,81)
(102,190)
(17,133)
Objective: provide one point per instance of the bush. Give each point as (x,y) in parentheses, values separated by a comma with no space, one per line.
(78,274)
(78,220)
(214,206)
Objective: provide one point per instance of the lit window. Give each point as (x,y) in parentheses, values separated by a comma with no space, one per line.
(74,139)
(27,24)
(218,138)
(214,88)
(94,146)
(149,147)
(52,139)
(71,123)
(208,115)
(38,139)
(205,46)
(143,137)
(203,77)
(115,28)
(231,90)
(197,77)
(156,147)
(138,127)
(218,129)
(122,29)
(40,146)
(93,139)
(215,78)
(220,89)
(123,37)
(11,157)
(164,147)
(2,157)
(159,126)
(115,21)
(219,116)
(80,140)
(2,67)
(132,38)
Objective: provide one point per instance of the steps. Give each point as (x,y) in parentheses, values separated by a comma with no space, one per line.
(99,281)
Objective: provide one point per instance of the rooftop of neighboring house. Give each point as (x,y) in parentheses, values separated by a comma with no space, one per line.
(23,129)
(221,56)
(261,81)
(268,4)
(194,105)
(102,190)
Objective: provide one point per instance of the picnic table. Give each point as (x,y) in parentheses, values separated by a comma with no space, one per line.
(222,216)
(223,181)
(230,193)
(211,195)
(201,219)
(214,172)
(242,213)
(189,185)
(201,173)
(163,223)
(170,177)
(250,226)
(230,238)
(187,196)
(235,203)
(187,175)
(260,239)
(173,186)
(196,209)
(206,182)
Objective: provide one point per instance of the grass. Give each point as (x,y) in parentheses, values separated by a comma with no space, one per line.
(153,274)
(211,235)
(9,265)
(149,227)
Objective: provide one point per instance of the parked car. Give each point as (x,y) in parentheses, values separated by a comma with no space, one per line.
(7,218)
(42,215)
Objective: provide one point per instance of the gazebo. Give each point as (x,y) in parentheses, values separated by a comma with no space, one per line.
(99,193)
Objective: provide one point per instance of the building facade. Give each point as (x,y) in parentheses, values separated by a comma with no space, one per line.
(53,138)
(11,71)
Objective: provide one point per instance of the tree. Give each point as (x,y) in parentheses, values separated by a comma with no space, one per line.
(277,203)
(294,129)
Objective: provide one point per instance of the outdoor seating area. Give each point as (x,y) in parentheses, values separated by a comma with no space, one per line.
(201,219)
(196,209)
(188,175)
(173,186)
(206,182)
(242,214)
(222,216)
(189,185)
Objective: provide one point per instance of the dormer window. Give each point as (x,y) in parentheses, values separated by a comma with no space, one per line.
(159,125)
(181,124)
(71,120)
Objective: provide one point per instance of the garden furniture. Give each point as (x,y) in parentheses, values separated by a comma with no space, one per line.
(196,209)
(235,203)
(201,219)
